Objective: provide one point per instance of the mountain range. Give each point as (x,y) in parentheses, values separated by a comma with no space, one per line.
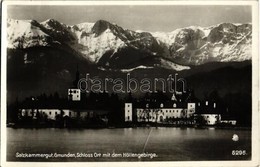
(43,57)
(110,46)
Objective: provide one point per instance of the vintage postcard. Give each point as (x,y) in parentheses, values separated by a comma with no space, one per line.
(146,83)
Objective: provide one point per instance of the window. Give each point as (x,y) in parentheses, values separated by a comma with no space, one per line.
(55,113)
(69,113)
(128,110)
(128,105)
(128,118)
(166,110)
(50,113)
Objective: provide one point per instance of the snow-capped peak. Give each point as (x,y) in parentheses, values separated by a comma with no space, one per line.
(50,23)
(25,33)
(85,26)
(109,43)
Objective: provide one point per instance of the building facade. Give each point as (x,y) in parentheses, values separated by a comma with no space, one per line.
(128,112)
(51,114)
(74,94)
(162,113)
(174,112)
(210,119)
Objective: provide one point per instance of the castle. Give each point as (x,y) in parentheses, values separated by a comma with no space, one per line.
(182,109)
(176,111)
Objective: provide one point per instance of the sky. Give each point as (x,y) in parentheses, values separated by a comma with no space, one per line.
(134,17)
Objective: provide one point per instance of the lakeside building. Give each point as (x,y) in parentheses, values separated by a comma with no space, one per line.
(66,113)
(208,113)
(182,109)
(176,111)
(162,113)
(52,114)
(74,94)
(209,119)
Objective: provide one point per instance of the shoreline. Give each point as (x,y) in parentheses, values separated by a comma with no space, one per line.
(144,126)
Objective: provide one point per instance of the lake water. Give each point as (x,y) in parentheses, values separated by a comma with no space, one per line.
(126,144)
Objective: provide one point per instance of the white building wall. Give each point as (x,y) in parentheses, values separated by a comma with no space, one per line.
(232,122)
(139,115)
(147,115)
(191,109)
(66,113)
(51,113)
(29,112)
(69,113)
(128,112)
(172,113)
(153,116)
(159,115)
(211,119)
(75,94)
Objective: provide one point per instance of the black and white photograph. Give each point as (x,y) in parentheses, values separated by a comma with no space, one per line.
(160,82)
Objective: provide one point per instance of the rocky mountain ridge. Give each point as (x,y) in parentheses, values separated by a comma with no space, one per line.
(113,47)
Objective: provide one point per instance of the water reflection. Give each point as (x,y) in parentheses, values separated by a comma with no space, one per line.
(170,144)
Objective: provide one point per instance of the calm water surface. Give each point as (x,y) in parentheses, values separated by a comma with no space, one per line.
(169,144)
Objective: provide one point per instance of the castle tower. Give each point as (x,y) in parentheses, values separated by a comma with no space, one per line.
(128,112)
(74,94)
